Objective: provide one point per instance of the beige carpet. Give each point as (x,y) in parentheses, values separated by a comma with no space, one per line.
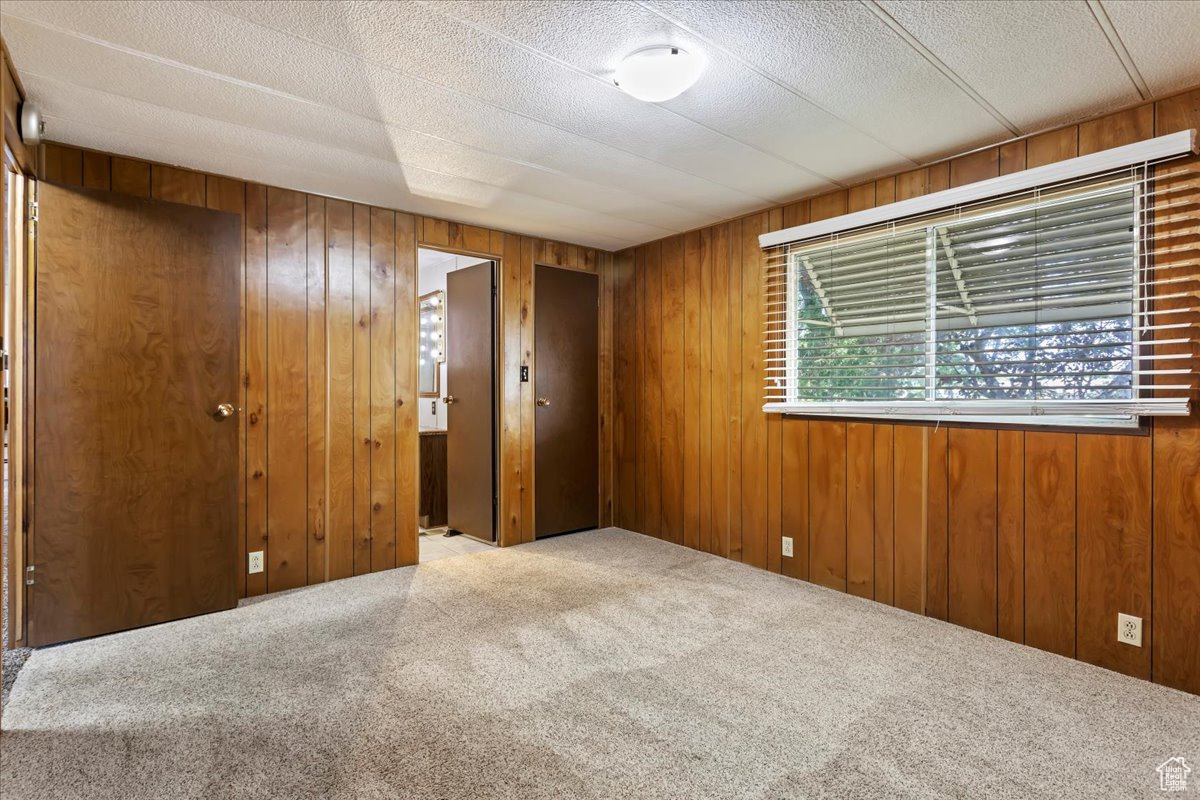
(597,665)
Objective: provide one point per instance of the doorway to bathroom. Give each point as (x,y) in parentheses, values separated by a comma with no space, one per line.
(457,380)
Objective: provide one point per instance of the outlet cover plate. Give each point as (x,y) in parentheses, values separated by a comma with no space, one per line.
(787,547)
(1129,629)
(256,562)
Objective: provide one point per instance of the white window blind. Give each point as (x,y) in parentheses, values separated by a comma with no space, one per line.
(1068,303)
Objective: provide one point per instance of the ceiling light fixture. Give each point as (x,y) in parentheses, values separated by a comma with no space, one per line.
(658,73)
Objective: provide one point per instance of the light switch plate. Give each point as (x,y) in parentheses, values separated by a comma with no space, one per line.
(256,562)
(787,546)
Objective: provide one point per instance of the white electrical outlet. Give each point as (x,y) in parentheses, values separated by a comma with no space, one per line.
(787,546)
(256,562)
(1129,630)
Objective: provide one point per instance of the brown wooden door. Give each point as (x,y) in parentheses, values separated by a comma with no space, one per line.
(135,480)
(566,385)
(471,415)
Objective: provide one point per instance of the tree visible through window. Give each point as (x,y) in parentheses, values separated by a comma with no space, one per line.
(1032,302)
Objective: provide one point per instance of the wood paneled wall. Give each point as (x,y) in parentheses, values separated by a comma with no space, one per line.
(1039,537)
(329,460)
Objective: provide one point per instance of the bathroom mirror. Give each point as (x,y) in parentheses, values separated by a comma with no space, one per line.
(431,344)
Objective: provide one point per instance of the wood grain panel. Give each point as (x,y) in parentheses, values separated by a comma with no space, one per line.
(1052,146)
(858,198)
(468,238)
(691,418)
(130,177)
(511,490)
(287,388)
(383,389)
(884,531)
(971,548)
(1176,556)
(674,389)
(530,257)
(829,205)
(97,171)
(1013,156)
(754,422)
(724,419)
(909,493)
(1177,113)
(604,267)
(641,388)
(62,165)
(361,398)
(885,191)
(795,496)
(703,424)
(625,379)
(1113,553)
(652,377)
(315,389)
(407,446)
(797,213)
(1010,535)
(177,185)
(1114,130)
(1050,541)
(912,184)
(860,509)
(976,166)
(342,445)
(827,503)
(736,365)
(936,534)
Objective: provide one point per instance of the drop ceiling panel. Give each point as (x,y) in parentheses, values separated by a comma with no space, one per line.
(730,97)
(254,155)
(52,54)
(1163,39)
(462,59)
(845,58)
(278,63)
(1039,63)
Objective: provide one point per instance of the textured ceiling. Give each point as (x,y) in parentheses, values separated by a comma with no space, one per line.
(504,114)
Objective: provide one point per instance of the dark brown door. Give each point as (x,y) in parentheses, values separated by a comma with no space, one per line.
(135,469)
(566,388)
(470,388)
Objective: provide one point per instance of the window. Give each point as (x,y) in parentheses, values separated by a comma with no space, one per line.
(1034,308)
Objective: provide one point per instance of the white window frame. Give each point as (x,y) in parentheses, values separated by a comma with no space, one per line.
(1072,413)
(931,409)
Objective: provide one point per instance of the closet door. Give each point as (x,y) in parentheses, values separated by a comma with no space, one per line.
(136,425)
(567,391)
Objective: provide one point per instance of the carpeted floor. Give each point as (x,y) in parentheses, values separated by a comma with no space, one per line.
(597,665)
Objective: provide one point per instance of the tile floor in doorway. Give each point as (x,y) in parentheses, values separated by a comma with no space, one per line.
(435,545)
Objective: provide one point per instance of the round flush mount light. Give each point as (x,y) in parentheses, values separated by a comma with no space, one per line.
(658,73)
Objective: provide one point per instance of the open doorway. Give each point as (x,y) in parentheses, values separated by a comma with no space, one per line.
(457,374)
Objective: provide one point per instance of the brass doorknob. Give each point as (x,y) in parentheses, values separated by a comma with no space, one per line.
(448,399)
(543,402)
(223,412)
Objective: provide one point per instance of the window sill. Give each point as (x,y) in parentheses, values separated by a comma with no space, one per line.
(939,413)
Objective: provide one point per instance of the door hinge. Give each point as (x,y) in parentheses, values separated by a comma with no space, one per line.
(29,575)
(33,210)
